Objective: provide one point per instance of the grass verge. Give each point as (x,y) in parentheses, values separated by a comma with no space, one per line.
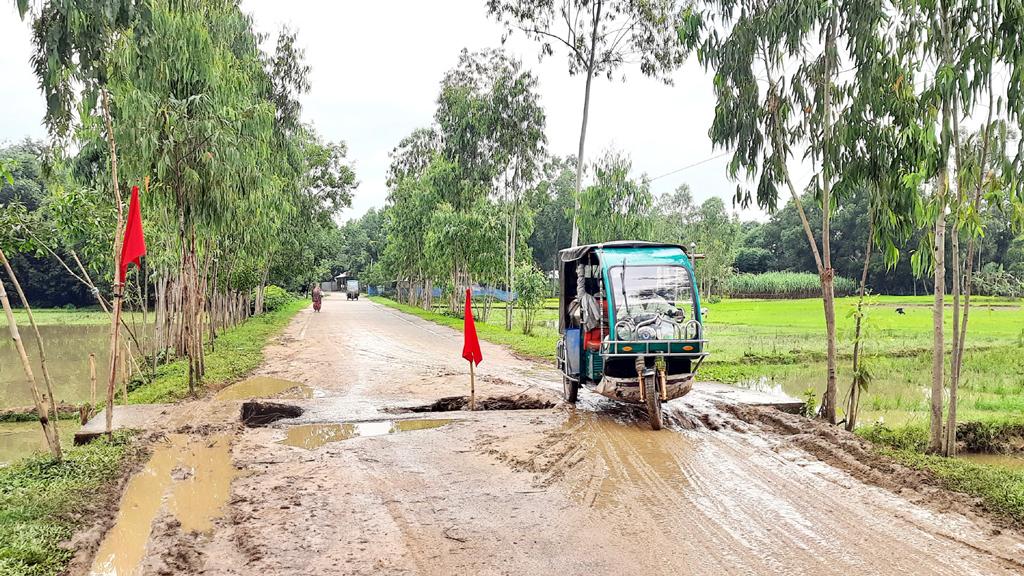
(42,502)
(540,346)
(1001,489)
(236,351)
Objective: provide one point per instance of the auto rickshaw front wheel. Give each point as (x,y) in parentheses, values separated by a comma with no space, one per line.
(570,389)
(653,401)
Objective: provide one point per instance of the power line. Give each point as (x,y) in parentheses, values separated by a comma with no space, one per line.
(694,165)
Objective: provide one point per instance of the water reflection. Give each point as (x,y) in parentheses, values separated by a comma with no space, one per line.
(313,436)
(68,349)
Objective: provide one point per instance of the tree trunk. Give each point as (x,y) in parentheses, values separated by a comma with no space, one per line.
(115,323)
(583,128)
(828,404)
(938,346)
(854,406)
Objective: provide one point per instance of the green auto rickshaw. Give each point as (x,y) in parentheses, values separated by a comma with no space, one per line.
(629,323)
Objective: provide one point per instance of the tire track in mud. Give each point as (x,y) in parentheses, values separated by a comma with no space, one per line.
(752,501)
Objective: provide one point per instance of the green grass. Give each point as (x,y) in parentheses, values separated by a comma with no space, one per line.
(61,317)
(41,503)
(237,351)
(1001,489)
(538,345)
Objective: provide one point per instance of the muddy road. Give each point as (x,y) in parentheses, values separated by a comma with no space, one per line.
(359,485)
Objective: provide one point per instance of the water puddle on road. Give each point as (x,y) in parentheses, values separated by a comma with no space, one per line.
(264,387)
(190,475)
(1013,461)
(313,436)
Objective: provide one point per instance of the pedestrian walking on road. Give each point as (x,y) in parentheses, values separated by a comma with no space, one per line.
(318,297)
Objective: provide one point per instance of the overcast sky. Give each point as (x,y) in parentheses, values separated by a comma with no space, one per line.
(376,69)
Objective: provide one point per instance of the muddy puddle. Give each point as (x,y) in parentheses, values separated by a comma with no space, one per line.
(1012,461)
(188,477)
(264,387)
(313,436)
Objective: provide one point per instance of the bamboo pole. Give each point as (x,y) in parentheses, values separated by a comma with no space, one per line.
(115,324)
(472,386)
(41,410)
(39,340)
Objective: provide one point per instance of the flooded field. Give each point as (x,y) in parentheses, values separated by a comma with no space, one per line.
(67,350)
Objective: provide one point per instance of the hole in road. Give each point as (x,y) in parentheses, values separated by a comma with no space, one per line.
(313,436)
(257,414)
(454,403)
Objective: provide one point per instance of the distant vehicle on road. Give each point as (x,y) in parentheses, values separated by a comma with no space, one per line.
(352,289)
(630,323)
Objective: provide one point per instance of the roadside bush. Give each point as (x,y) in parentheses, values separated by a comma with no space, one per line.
(275,297)
(531,290)
(784,285)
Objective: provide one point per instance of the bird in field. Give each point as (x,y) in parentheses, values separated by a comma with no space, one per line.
(900,311)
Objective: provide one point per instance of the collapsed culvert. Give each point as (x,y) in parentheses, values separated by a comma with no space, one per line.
(258,414)
(456,403)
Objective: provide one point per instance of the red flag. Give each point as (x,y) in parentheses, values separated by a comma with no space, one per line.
(471,346)
(134,246)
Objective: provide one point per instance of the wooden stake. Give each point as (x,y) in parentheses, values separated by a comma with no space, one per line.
(92,380)
(472,386)
(124,380)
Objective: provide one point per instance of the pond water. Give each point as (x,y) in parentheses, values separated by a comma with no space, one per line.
(19,439)
(67,354)
(1014,461)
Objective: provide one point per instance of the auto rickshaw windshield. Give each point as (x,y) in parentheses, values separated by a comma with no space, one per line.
(640,290)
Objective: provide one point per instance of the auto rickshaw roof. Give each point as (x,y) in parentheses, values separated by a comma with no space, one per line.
(578,252)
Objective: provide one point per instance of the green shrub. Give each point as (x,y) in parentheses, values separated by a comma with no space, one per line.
(784,285)
(275,297)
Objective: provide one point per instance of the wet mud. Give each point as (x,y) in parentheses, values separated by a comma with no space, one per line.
(257,414)
(456,403)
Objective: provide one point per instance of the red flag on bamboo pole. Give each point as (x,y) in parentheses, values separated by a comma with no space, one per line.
(134,247)
(471,348)
(471,344)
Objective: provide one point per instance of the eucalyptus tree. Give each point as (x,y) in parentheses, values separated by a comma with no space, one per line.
(781,90)
(72,40)
(552,202)
(515,124)
(600,37)
(616,206)
(189,82)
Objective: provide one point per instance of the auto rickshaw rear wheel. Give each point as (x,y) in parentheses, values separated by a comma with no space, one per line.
(570,389)
(653,401)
